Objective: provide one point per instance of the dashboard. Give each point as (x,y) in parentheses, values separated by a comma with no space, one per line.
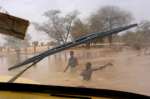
(35,91)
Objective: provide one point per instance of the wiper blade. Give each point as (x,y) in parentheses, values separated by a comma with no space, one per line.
(81,40)
(20,73)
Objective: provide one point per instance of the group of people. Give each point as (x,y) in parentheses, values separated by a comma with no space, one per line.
(87,72)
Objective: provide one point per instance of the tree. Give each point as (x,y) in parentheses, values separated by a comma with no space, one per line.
(14,43)
(109,17)
(70,19)
(139,39)
(35,44)
(79,29)
(144,29)
(17,44)
(42,44)
(57,26)
(27,39)
(26,42)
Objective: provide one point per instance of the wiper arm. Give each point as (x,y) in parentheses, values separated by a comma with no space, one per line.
(81,40)
(20,73)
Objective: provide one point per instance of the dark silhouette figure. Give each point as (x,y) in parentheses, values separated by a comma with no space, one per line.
(72,62)
(87,73)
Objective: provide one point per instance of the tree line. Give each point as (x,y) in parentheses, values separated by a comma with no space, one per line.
(62,28)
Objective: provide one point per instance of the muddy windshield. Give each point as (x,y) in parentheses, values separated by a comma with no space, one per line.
(90,43)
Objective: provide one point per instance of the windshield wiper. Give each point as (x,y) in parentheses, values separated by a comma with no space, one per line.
(78,41)
(20,73)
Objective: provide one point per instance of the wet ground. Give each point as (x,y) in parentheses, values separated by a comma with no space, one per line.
(130,72)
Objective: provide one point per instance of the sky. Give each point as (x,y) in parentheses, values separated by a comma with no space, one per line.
(33,10)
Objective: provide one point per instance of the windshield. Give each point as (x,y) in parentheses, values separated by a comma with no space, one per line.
(91,44)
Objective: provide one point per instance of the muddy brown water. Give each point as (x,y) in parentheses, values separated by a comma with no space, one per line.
(129,72)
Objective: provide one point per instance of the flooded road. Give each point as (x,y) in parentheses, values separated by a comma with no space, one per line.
(129,72)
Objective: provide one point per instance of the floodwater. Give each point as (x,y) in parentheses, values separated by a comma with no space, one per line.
(129,72)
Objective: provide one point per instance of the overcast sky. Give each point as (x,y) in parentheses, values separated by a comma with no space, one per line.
(33,9)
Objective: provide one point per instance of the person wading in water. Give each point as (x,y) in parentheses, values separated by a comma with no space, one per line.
(72,62)
(87,72)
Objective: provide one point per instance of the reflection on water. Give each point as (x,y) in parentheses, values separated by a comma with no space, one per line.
(129,73)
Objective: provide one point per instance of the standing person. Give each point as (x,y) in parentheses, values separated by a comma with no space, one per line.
(72,62)
(87,73)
